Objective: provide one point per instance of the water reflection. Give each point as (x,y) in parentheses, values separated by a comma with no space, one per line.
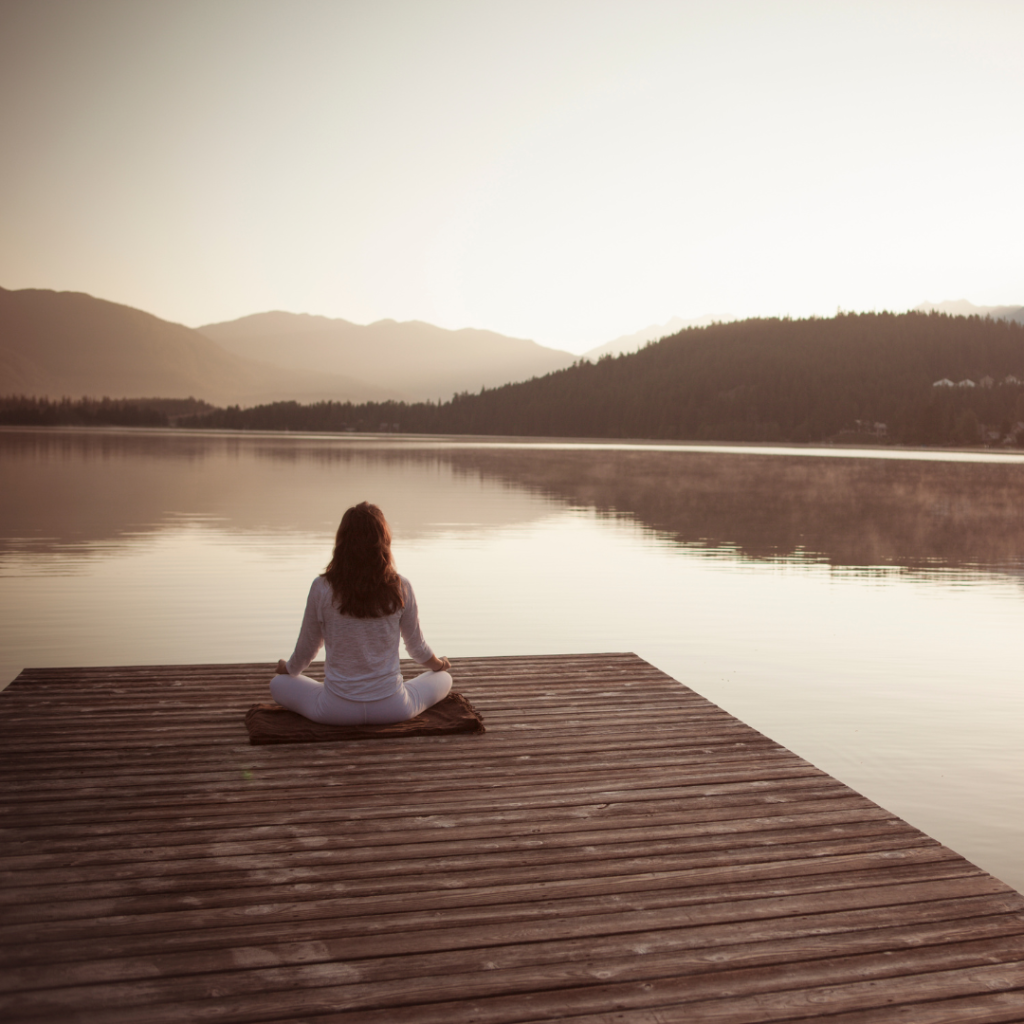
(850,512)
(68,489)
(90,489)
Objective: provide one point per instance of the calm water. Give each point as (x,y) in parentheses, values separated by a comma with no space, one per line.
(862,608)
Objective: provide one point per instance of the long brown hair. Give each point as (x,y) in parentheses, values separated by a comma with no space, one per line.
(361,571)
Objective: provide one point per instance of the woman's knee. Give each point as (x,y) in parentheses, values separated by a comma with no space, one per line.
(298,693)
(431,687)
(278,687)
(446,681)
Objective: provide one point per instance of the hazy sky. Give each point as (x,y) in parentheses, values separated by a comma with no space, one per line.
(562,171)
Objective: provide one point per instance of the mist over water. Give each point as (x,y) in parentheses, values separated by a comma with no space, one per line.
(863,610)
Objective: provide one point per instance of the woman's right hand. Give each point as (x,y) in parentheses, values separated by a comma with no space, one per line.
(437,664)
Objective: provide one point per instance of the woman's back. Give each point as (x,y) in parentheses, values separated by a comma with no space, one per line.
(362,660)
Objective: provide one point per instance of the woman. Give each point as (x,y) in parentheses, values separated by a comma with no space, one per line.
(357,609)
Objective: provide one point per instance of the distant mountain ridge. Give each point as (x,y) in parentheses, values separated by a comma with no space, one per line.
(69,344)
(72,344)
(961,307)
(410,359)
(653,332)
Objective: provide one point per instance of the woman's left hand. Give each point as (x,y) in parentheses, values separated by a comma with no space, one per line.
(282,667)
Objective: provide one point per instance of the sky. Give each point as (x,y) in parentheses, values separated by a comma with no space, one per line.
(562,171)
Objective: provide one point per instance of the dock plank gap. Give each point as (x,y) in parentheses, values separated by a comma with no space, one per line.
(615,849)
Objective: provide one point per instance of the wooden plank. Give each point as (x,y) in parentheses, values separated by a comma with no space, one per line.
(783,794)
(731,971)
(518,905)
(403,933)
(543,992)
(773,941)
(474,870)
(680,1002)
(499,753)
(370,782)
(122,862)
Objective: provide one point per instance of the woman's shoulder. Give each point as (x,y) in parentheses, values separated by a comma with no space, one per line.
(408,595)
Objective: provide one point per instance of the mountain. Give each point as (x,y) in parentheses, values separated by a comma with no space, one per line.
(653,332)
(71,344)
(870,378)
(411,359)
(856,378)
(961,307)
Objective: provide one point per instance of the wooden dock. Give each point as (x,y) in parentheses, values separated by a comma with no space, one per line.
(614,850)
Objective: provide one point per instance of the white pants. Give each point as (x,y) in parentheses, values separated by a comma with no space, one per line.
(314,701)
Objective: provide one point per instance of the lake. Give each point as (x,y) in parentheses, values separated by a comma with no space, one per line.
(861,607)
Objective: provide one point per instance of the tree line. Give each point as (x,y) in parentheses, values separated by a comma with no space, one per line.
(761,380)
(24,411)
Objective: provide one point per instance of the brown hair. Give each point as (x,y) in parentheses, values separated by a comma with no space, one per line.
(361,571)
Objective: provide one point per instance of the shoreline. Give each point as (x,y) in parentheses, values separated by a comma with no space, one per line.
(794,448)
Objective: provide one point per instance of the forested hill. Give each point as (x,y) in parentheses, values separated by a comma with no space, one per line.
(768,380)
(752,380)
(855,378)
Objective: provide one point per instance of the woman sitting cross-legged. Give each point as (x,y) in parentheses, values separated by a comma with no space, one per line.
(357,609)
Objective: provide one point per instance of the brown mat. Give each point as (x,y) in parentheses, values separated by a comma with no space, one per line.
(271,723)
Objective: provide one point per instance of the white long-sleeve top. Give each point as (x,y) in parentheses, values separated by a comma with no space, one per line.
(362,654)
